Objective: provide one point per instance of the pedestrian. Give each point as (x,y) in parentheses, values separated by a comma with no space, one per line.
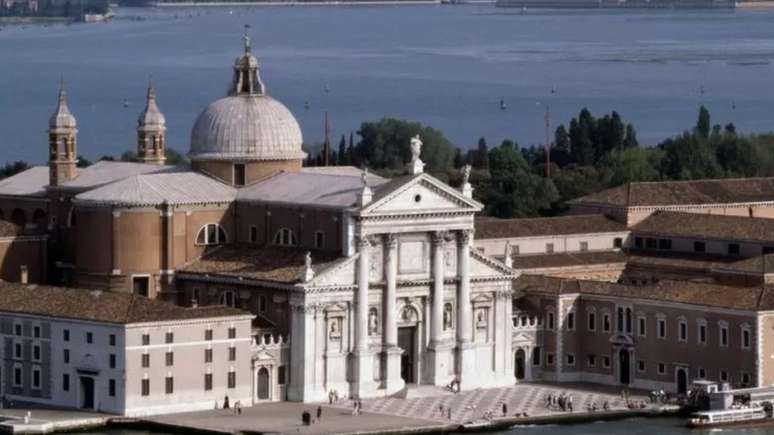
(354,407)
(448,413)
(505,409)
(225,402)
(319,412)
(330,397)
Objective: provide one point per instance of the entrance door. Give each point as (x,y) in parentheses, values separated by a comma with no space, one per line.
(87,392)
(682,380)
(624,366)
(407,341)
(263,384)
(519,366)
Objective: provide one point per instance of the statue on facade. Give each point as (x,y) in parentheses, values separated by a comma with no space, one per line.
(466,174)
(416,166)
(308,272)
(447,316)
(373,324)
(334,331)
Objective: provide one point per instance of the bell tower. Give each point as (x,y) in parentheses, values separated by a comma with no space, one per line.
(151,132)
(62,140)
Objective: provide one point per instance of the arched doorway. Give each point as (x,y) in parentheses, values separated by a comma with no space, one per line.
(87,392)
(263,384)
(520,364)
(624,366)
(682,380)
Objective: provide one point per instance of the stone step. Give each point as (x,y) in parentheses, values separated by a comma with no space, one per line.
(415,391)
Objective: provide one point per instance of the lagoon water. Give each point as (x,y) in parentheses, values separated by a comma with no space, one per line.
(446,66)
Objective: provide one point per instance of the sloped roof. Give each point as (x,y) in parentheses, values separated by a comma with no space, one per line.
(700,225)
(171,187)
(100,306)
(309,188)
(105,172)
(568,259)
(694,192)
(493,228)
(687,292)
(31,182)
(278,264)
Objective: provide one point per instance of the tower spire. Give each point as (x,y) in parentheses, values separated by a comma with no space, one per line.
(151,131)
(247,80)
(62,138)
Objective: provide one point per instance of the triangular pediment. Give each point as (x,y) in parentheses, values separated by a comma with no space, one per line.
(483,266)
(418,194)
(340,274)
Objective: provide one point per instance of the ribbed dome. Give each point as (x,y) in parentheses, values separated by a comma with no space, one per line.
(248,124)
(250,127)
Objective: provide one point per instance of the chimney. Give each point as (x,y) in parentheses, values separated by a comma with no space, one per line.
(23,275)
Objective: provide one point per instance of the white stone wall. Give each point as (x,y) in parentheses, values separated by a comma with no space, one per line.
(537,245)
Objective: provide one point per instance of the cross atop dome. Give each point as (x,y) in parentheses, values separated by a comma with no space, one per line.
(246,39)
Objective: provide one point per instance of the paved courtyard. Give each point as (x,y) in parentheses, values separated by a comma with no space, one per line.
(471,406)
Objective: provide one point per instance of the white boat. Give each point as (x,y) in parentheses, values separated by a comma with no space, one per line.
(97,18)
(729,417)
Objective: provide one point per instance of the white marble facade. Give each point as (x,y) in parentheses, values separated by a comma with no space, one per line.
(434,310)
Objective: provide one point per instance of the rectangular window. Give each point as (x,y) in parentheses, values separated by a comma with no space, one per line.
(17,377)
(208,334)
(169,338)
(733,249)
(618,243)
(549,248)
(723,376)
(571,321)
(65,382)
(550,359)
(36,378)
(606,362)
(66,356)
(112,339)
(66,335)
(145,339)
(89,338)
(724,336)
(640,366)
(702,333)
(701,374)
(651,243)
(146,387)
(36,331)
(767,250)
(638,242)
(232,333)
(584,246)
(661,368)
(17,351)
(36,352)
(550,324)
(262,304)
(281,375)
(208,382)
(146,360)
(112,388)
(592,360)
(642,326)
(240,178)
(170,359)
(683,332)
(665,244)
(592,322)
(232,379)
(112,360)
(536,356)
(606,322)
(319,239)
(699,247)
(253,234)
(745,379)
(661,328)
(745,338)
(208,355)
(169,385)
(232,354)
(17,330)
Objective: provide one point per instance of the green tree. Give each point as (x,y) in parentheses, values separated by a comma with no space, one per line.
(630,164)
(11,169)
(703,123)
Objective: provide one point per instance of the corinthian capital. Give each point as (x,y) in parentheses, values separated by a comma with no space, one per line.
(440,237)
(464,237)
(362,243)
(390,240)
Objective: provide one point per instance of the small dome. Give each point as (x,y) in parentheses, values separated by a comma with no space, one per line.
(250,127)
(151,117)
(62,118)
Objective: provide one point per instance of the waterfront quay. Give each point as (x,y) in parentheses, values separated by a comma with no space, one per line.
(419,412)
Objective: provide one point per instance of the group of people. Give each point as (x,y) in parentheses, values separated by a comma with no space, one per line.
(333,396)
(561,401)
(592,407)
(658,396)
(454,386)
(237,408)
(444,411)
(306,417)
(357,406)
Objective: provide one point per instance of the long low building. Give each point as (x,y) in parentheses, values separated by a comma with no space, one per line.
(121,353)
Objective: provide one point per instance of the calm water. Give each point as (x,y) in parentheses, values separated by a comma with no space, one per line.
(447,66)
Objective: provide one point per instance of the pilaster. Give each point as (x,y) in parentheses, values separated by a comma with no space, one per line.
(466,362)
(393,381)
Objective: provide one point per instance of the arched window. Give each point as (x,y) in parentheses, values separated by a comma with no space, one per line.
(39,218)
(228,298)
(285,237)
(211,234)
(19,218)
(319,239)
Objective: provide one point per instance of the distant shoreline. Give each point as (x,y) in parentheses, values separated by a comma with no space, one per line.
(756,5)
(302,3)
